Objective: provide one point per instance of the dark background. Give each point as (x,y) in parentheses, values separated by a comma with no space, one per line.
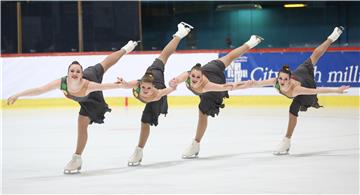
(108,25)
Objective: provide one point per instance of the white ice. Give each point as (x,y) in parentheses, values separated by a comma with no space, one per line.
(235,156)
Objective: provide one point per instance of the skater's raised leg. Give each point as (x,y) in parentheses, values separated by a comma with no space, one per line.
(235,53)
(170,48)
(114,57)
(321,49)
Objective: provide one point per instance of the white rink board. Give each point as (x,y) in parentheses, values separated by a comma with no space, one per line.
(21,73)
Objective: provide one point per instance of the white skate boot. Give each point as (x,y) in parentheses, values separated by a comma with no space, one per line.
(130,46)
(253,41)
(336,33)
(74,165)
(136,158)
(283,148)
(183,30)
(192,151)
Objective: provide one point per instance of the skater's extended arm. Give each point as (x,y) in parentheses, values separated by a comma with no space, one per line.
(310,91)
(263,83)
(210,86)
(93,86)
(182,77)
(35,91)
(126,85)
(243,84)
(163,92)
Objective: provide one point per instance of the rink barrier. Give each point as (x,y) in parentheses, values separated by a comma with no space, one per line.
(342,67)
(185,101)
(253,50)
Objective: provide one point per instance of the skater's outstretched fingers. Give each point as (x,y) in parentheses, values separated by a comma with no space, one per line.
(119,80)
(343,88)
(11,100)
(173,83)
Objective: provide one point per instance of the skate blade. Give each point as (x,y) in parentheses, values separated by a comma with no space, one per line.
(134,164)
(190,157)
(259,37)
(72,172)
(281,153)
(130,164)
(187,25)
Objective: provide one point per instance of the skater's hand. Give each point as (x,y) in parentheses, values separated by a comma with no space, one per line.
(12,99)
(130,46)
(120,81)
(343,88)
(173,83)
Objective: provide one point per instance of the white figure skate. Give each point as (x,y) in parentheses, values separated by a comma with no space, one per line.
(136,158)
(336,33)
(130,46)
(74,165)
(284,147)
(254,41)
(183,30)
(192,151)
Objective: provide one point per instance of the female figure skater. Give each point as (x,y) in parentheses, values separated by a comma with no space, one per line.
(84,87)
(209,83)
(300,86)
(152,91)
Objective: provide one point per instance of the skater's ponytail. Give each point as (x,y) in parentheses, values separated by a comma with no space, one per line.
(286,69)
(148,77)
(196,67)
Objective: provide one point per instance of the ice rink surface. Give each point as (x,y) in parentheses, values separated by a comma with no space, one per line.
(235,156)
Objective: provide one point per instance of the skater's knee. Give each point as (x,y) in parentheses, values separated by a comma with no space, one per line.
(145,126)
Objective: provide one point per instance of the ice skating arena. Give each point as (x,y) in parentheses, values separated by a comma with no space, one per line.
(235,153)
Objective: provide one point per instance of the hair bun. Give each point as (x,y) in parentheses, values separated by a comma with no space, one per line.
(286,67)
(149,73)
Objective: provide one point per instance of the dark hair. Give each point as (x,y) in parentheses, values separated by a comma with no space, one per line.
(148,77)
(285,69)
(75,62)
(197,67)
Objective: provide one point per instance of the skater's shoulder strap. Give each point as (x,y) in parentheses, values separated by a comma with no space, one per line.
(63,86)
(136,92)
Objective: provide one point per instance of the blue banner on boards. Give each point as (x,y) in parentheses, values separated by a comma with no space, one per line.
(334,68)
